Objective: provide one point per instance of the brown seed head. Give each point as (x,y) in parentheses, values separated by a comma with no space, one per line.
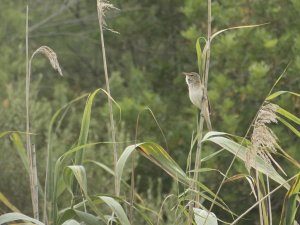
(51,55)
(103,6)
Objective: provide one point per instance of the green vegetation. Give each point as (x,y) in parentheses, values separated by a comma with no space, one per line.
(115,140)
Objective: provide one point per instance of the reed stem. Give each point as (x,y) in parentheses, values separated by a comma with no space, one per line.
(111,116)
(30,154)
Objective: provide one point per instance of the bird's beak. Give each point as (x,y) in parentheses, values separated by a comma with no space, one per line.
(185,74)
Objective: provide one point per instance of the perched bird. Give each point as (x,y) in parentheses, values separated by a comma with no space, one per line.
(196,94)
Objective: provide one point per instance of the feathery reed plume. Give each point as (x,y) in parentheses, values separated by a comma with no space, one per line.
(103,6)
(51,55)
(263,143)
(263,140)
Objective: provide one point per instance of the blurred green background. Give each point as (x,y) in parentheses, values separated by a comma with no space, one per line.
(155,43)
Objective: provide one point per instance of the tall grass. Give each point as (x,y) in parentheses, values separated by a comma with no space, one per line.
(205,61)
(102,6)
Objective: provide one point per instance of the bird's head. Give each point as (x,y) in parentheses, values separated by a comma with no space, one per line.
(192,78)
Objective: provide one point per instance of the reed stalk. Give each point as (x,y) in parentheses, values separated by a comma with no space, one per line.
(100,8)
(30,154)
(201,120)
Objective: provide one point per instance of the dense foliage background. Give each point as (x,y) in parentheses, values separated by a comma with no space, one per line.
(154,45)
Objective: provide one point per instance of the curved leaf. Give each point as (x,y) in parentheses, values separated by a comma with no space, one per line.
(71,222)
(84,130)
(160,157)
(278,93)
(79,172)
(290,126)
(199,55)
(85,123)
(7,203)
(10,217)
(288,115)
(88,218)
(241,152)
(17,141)
(289,209)
(122,160)
(5,133)
(50,198)
(21,150)
(117,209)
(85,217)
(156,154)
(202,217)
(234,28)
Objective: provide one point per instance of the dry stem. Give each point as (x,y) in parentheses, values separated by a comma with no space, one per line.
(262,199)
(201,121)
(101,6)
(31,158)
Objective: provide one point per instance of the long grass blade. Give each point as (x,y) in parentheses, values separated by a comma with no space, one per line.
(288,157)
(263,198)
(199,56)
(5,133)
(203,217)
(10,217)
(116,208)
(49,210)
(122,161)
(156,154)
(159,156)
(241,152)
(235,28)
(278,79)
(71,222)
(85,124)
(278,93)
(290,207)
(58,183)
(7,203)
(288,115)
(78,172)
(78,215)
(290,126)
(21,150)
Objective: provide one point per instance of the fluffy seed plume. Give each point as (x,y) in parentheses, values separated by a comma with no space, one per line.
(263,140)
(51,55)
(103,6)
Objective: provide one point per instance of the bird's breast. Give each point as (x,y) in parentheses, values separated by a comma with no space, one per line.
(196,95)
